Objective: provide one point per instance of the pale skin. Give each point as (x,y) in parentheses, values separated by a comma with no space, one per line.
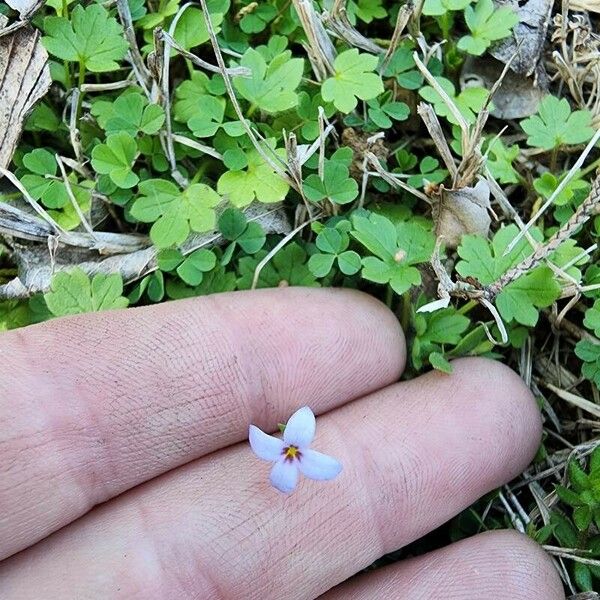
(125,471)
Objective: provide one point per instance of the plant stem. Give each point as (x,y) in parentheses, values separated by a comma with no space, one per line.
(405,315)
(590,168)
(200,172)
(80,82)
(190,67)
(445,22)
(389,295)
(466,308)
(553,160)
(251,110)
(68,78)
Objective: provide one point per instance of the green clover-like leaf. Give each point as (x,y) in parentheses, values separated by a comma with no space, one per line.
(487,23)
(469,102)
(130,113)
(73,293)
(91,37)
(589,353)
(500,159)
(592,318)
(353,80)
(555,125)
(396,249)
(272,86)
(50,191)
(333,245)
(175,213)
(191,30)
(257,182)
(208,116)
(336,185)
(438,8)
(193,268)
(258,19)
(115,158)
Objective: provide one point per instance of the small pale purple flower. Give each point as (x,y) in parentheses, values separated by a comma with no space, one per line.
(292,454)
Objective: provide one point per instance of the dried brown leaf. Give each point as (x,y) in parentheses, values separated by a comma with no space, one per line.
(24,79)
(25,8)
(528,37)
(461,212)
(516,98)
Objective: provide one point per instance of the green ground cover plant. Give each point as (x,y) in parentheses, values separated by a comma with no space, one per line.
(185,149)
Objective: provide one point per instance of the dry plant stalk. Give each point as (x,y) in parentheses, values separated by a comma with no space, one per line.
(405,13)
(142,74)
(577,59)
(432,123)
(232,71)
(320,48)
(585,211)
(132,256)
(393,179)
(340,26)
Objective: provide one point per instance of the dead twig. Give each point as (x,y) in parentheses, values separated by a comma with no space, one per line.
(585,211)
(232,71)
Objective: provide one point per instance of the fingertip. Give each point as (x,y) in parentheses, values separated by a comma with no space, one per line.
(495,390)
(383,324)
(503,565)
(352,330)
(525,567)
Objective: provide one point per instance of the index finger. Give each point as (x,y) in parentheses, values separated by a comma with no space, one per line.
(93,405)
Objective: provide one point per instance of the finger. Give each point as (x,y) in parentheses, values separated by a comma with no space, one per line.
(91,406)
(414,455)
(503,565)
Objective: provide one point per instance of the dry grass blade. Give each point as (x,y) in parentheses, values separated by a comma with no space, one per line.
(393,179)
(285,240)
(561,186)
(140,69)
(233,71)
(405,13)
(575,400)
(431,121)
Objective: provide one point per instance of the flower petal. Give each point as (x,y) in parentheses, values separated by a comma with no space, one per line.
(264,446)
(315,465)
(300,429)
(284,475)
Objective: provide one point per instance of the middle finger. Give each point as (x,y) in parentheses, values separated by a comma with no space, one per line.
(414,455)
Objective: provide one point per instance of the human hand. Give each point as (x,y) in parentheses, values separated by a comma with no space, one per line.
(146,411)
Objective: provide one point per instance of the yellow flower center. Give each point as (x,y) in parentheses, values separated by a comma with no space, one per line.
(291,453)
